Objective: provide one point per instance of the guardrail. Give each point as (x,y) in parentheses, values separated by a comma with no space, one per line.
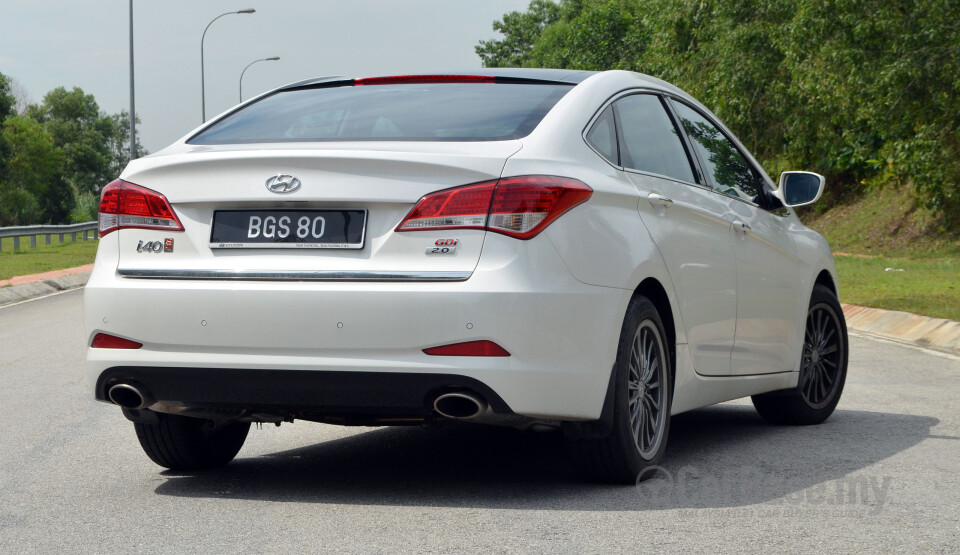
(34,231)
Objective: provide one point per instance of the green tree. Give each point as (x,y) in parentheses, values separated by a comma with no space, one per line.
(7,100)
(32,188)
(724,54)
(55,158)
(521,31)
(6,110)
(593,36)
(88,202)
(83,132)
(120,143)
(861,91)
(877,93)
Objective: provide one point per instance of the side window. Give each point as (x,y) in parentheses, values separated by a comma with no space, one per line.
(649,141)
(603,136)
(730,173)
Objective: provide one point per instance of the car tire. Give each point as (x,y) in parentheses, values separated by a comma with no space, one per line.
(823,367)
(183,443)
(642,390)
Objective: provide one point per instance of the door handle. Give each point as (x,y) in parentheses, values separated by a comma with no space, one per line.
(656,199)
(740,226)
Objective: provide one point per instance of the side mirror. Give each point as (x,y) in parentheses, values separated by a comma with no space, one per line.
(800,188)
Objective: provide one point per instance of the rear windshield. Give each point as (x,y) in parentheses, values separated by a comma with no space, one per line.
(394,112)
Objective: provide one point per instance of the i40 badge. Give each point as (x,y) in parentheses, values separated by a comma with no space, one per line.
(155,246)
(444,246)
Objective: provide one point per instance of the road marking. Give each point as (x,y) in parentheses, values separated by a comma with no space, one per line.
(926,350)
(55,293)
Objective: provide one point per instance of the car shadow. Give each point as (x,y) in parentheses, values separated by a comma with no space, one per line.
(719,456)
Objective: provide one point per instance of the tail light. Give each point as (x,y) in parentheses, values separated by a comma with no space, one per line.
(520,207)
(125,205)
(461,208)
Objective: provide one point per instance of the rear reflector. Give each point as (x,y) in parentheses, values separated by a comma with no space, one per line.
(125,205)
(469,349)
(401,79)
(520,207)
(106,341)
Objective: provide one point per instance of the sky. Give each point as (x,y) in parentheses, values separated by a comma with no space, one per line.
(51,43)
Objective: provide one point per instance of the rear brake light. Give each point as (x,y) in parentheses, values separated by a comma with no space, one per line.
(520,207)
(402,79)
(107,341)
(469,349)
(462,207)
(125,205)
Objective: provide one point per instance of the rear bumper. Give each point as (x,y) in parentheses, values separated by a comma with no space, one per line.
(300,392)
(313,345)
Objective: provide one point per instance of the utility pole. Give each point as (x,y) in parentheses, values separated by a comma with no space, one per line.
(133,111)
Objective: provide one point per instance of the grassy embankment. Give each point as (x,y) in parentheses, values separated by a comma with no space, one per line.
(55,256)
(890,255)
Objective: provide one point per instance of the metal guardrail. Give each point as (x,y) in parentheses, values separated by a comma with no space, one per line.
(34,231)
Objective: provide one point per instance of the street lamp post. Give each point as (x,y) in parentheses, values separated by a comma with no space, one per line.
(271,59)
(203,84)
(133,113)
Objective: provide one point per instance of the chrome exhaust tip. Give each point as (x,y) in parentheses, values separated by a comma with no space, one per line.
(459,405)
(130,396)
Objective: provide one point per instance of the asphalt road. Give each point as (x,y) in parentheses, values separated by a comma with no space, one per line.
(882,474)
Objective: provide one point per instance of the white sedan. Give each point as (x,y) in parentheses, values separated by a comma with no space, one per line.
(591,252)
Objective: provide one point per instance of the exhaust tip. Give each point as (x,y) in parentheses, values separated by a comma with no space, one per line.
(459,406)
(129,397)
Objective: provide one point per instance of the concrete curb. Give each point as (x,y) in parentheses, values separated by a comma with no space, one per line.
(27,291)
(933,333)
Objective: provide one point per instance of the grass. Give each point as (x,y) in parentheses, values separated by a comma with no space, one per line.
(887,229)
(44,258)
(884,222)
(927,286)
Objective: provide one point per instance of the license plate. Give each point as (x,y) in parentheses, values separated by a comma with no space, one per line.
(288,229)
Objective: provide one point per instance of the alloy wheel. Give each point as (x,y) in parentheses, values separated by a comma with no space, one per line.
(822,351)
(645,389)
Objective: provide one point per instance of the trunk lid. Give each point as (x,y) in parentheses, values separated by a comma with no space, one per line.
(384,179)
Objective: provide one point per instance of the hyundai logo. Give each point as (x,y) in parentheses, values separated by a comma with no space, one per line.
(283,183)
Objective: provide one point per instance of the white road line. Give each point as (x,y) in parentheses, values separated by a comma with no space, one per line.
(913,346)
(55,293)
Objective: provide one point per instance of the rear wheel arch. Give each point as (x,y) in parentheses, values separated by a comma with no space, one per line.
(652,289)
(632,434)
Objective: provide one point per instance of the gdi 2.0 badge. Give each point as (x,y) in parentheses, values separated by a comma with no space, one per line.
(444,246)
(155,246)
